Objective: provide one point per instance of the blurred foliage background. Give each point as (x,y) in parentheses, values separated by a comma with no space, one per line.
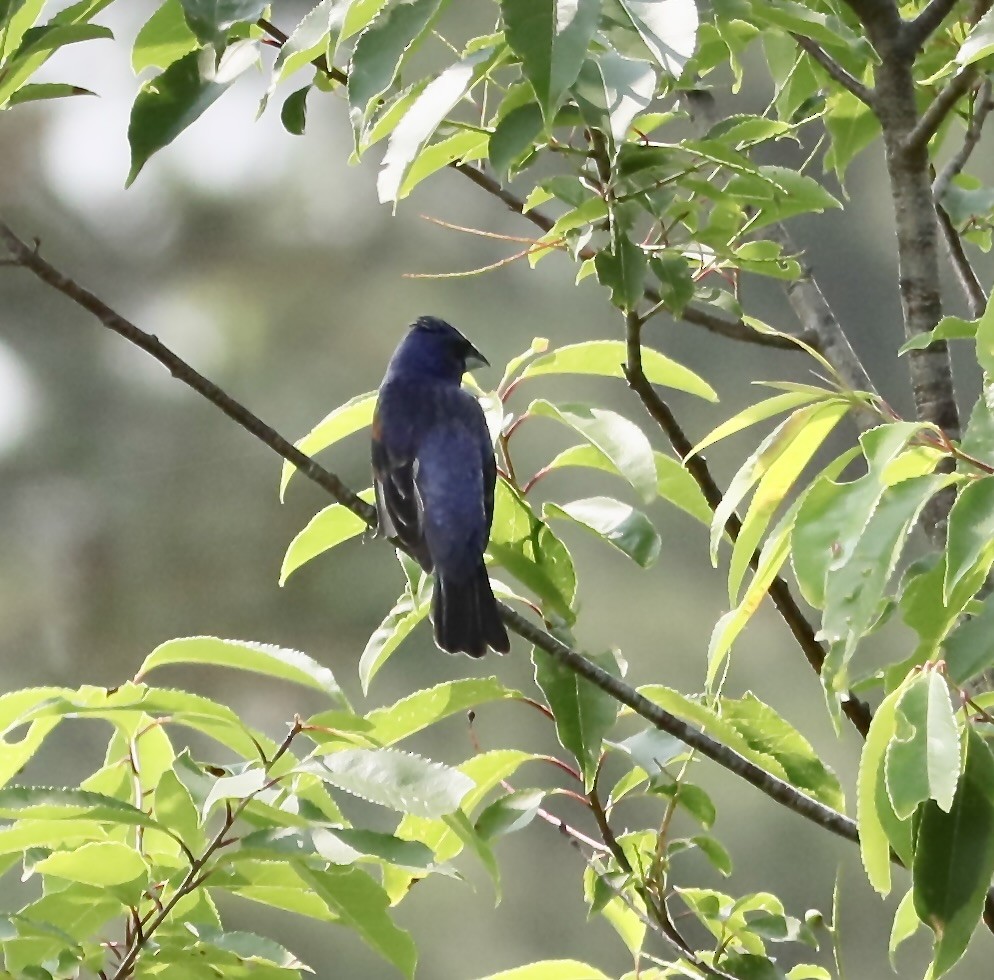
(131,512)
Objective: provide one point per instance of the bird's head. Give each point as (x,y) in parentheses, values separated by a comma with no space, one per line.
(434,348)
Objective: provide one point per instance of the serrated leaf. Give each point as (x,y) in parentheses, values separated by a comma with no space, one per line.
(354,415)
(388,636)
(43,91)
(101,863)
(620,440)
(777,482)
(622,269)
(954,858)
(607,358)
(212,20)
(874,843)
(854,586)
(668,28)
(551,38)
(617,523)
(260,658)
(427,707)
(612,90)
(948,328)
(510,813)
(923,757)
(971,533)
(170,102)
(399,780)
(361,903)
(327,529)
(584,714)
(58,803)
(381,50)
(979,43)
(293,115)
(164,38)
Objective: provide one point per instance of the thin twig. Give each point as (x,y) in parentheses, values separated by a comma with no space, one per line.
(919,30)
(974,130)
(855,710)
(940,107)
(849,82)
(966,276)
(193,878)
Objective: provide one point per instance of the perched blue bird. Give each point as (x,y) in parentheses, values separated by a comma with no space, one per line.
(434,473)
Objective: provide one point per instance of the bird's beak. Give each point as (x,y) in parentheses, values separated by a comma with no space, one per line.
(474,358)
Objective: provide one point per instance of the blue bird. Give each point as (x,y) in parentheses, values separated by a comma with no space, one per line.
(434,474)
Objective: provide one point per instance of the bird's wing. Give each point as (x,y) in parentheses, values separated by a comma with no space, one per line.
(399,508)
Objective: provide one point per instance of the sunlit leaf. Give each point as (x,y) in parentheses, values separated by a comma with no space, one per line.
(327,529)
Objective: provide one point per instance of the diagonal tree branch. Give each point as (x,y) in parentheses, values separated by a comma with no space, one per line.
(834,69)
(775,788)
(940,107)
(976,299)
(919,30)
(974,130)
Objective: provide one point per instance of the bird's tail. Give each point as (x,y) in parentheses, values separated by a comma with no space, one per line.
(465,615)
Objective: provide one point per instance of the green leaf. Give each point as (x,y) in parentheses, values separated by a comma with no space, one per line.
(551,39)
(816,781)
(530,551)
(381,50)
(551,970)
(833,516)
(611,91)
(510,813)
(906,924)
(970,544)
(923,757)
(335,845)
(398,780)
(164,38)
(38,45)
(260,658)
(361,903)
(325,530)
(43,91)
(769,451)
(874,812)
(720,859)
(620,440)
(101,863)
(851,126)
(514,135)
(212,20)
(969,648)
(979,42)
(293,115)
(388,636)
(777,482)
(758,413)
(170,102)
(856,583)
(954,858)
(354,415)
(985,336)
(948,328)
(620,525)
(584,714)
(421,120)
(668,28)
(54,803)
(311,39)
(607,358)
(424,708)
(766,731)
(622,269)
